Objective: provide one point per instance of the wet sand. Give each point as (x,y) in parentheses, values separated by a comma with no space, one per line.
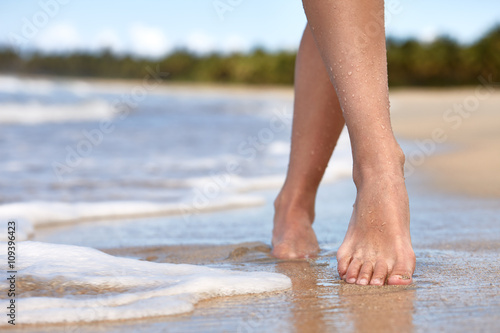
(455,230)
(451,294)
(454,291)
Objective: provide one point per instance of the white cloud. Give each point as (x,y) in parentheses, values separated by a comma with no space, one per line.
(149,41)
(235,43)
(58,37)
(200,42)
(428,34)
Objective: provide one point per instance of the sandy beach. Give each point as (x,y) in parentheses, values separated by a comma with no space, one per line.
(453,158)
(465,158)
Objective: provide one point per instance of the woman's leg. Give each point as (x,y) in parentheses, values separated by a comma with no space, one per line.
(317,123)
(351,39)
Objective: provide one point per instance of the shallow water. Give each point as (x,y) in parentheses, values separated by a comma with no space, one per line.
(75,154)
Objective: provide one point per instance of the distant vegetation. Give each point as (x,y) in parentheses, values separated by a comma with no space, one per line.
(442,62)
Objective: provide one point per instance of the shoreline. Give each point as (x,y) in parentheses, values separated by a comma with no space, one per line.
(242,88)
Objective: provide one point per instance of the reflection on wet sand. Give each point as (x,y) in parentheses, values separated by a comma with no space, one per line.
(378,309)
(321,302)
(307,307)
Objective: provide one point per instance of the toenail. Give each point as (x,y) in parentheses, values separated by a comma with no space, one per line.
(363,281)
(351,280)
(376,281)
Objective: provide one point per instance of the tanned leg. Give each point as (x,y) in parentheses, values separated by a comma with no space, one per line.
(351,40)
(317,124)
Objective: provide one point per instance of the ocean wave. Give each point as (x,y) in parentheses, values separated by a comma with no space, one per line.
(36,113)
(41,213)
(80,284)
(16,84)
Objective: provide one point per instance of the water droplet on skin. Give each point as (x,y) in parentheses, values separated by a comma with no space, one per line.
(350,73)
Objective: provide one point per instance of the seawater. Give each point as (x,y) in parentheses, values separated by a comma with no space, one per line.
(74,150)
(79,151)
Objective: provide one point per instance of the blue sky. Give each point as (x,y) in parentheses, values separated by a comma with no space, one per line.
(154,27)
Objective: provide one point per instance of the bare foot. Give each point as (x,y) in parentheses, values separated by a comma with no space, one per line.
(377,246)
(293,235)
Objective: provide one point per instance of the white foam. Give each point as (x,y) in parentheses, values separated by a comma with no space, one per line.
(36,113)
(15,84)
(129,289)
(37,213)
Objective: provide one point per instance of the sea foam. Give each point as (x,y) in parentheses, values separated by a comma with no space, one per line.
(39,213)
(36,113)
(114,288)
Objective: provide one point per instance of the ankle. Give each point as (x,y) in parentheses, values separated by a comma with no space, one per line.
(293,202)
(389,164)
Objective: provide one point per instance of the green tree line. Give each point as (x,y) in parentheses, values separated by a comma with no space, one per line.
(410,62)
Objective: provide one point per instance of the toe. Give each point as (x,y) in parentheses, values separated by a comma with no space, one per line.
(400,275)
(343,265)
(379,273)
(365,273)
(353,270)
(403,277)
(403,270)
